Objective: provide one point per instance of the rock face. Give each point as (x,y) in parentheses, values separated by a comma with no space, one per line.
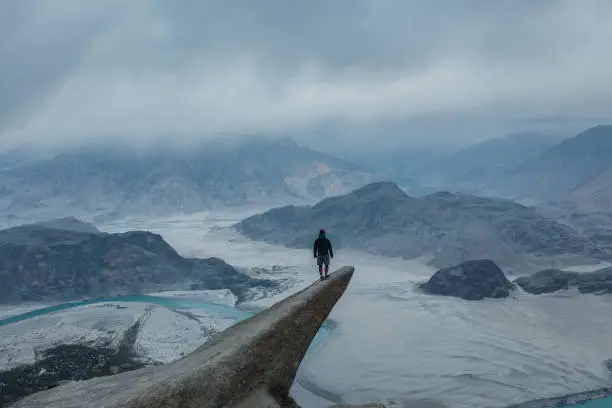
(251,364)
(553,280)
(471,280)
(448,228)
(38,263)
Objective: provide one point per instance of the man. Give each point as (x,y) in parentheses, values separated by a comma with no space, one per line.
(323,252)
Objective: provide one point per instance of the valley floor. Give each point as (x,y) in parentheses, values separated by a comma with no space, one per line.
(391,344)
(395,345)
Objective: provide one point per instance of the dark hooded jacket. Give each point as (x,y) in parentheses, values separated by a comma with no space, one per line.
(322,246)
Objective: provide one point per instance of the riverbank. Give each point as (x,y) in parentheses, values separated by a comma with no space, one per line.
(89,336)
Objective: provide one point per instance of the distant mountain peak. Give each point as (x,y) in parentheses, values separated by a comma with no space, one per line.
(68,224)
(214,174)
(387,189)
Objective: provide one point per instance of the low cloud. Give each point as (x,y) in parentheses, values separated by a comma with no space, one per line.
(147,71)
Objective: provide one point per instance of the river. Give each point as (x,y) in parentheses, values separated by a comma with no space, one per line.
(303,390)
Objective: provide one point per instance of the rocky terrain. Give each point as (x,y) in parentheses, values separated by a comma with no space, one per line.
(70,362)
(471,280)
(114,182)
(483,278)
(596,225)
(442,228)
(595,194)
(98,339)
(40,263)
(553,280)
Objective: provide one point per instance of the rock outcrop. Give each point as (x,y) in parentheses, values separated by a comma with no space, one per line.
(553,280)
(251,364)
(40,263)
(471,280)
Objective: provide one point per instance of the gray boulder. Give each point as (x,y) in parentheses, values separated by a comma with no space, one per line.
(471,280)
(553,280)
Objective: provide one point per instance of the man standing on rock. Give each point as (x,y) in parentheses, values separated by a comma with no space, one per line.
(323,252)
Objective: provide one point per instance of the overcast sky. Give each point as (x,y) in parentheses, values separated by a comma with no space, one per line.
(369,71)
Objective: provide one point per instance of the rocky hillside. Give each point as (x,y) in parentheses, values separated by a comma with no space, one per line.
(42,263)
(113,182)
(560,169)
(481,163)
(595,194)
(444,228)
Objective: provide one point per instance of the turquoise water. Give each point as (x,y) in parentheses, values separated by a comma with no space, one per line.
(598,403)
(170,303)
(230,312)
(226,311)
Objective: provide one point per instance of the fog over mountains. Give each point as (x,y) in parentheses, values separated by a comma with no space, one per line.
(481,164)
(552,175)
(192,150)
(118,182)
(455,210)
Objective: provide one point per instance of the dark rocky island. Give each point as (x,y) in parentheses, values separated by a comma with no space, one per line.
(471,280)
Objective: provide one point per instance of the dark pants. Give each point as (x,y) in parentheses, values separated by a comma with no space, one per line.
(321,260)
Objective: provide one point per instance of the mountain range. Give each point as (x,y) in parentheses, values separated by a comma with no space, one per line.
(41,262)
(570,170)
(479,164)
(527,166)
(595,194)
(113,182)
(443,228)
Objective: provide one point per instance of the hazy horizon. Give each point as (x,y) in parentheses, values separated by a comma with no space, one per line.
(359,74)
